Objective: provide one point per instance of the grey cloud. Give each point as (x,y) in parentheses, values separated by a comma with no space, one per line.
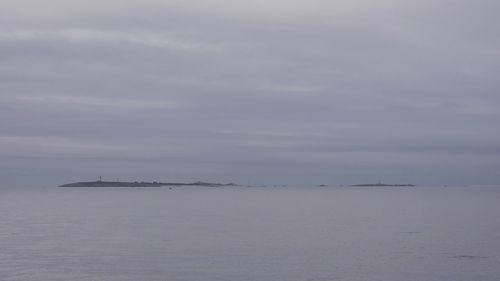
(268,91)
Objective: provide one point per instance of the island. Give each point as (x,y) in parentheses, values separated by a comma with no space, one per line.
(382,184)
(101,183)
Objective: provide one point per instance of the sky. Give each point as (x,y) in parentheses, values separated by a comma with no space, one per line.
(253,92)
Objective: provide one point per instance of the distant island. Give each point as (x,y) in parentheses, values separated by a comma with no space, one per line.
(382,184)
(101,183)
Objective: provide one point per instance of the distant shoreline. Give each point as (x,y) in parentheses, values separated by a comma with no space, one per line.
(381,184)
(141,184)
(101,183)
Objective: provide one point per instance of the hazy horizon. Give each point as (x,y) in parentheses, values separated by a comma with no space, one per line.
(261,92)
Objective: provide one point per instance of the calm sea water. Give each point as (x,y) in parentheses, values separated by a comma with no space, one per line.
(305,234)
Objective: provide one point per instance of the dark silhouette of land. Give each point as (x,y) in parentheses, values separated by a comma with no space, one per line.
(101,183)
(382,184)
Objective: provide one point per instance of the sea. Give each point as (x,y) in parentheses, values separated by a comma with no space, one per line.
(250,234)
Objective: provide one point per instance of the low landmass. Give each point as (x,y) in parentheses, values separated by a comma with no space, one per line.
(382,184)
(100,183)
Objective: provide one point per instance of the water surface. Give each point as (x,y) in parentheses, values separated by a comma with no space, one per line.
(157,234)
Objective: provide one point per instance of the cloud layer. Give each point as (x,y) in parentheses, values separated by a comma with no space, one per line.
(266,92)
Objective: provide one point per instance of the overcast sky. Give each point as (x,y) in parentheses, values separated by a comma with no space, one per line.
(253,92)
